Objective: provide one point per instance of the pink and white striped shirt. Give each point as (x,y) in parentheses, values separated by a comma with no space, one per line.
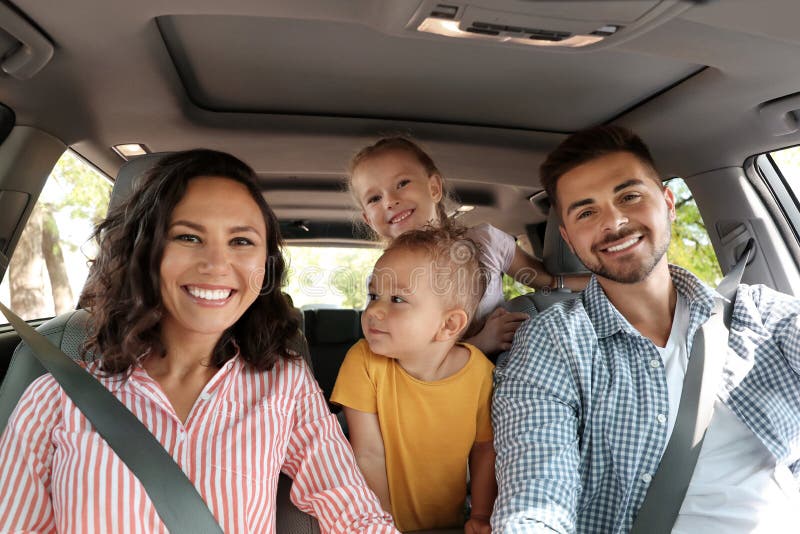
(58,474)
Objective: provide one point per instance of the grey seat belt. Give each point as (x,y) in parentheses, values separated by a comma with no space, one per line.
(667,490)
(175,498)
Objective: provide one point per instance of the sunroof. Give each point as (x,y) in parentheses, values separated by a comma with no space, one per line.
(289,66)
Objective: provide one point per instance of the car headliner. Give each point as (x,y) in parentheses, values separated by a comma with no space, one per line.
(294,87)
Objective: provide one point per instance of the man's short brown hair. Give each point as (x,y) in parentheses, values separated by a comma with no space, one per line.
(587,145)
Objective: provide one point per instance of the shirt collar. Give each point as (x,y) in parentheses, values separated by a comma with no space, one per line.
(607,320)
(114,382)
(117,382)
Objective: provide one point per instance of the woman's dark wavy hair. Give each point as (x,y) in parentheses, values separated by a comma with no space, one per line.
(123,289)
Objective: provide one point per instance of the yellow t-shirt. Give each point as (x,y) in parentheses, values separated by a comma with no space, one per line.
(428,430)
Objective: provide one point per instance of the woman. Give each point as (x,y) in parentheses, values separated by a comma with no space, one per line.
(191,333)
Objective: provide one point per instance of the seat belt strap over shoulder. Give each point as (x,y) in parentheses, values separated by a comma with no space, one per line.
(667,490)
(177,501)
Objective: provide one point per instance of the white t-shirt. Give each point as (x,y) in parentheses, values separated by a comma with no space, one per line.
(497,252)
(737,485)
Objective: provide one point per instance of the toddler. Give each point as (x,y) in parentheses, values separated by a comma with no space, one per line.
(417,401)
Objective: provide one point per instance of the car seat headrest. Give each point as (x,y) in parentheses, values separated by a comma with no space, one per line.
(556,254)
(129,172)
(336,326)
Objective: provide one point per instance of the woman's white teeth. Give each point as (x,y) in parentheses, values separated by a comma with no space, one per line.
(622,246)
(209,294)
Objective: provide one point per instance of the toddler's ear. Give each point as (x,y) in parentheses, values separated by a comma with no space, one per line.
(455,321)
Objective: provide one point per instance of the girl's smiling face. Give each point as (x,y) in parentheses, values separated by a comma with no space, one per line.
(214,259)
(395,192)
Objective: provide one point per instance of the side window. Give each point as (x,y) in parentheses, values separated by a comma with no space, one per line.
(690,246)
(788,162)
(50,263)
(781,172)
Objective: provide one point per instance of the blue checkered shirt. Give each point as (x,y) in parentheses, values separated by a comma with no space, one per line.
(575,406)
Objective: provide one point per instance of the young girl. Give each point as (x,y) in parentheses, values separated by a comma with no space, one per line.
(399,188)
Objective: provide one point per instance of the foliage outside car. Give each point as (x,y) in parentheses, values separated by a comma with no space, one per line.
(49,265)
(690,246)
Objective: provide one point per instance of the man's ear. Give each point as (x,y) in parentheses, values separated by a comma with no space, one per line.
(565,237)
(366,219)
(669,197)
(435,187)
(454,323)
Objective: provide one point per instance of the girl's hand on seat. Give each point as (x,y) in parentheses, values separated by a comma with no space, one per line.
(498,331)
(477,525)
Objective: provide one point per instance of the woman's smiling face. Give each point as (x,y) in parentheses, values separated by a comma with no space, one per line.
(214,258)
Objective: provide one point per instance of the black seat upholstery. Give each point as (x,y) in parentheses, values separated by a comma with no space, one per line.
(330,334)
(69,331)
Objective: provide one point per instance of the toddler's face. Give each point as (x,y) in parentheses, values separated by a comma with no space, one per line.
(405,309)
(395,193)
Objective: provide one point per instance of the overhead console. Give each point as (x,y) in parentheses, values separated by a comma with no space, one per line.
(559,26)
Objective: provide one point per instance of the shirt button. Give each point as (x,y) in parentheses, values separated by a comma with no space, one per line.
(205,396)
(181,435)
(655,363)
(661,418)
(646,478)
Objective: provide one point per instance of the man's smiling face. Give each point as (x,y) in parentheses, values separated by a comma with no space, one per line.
(616,216)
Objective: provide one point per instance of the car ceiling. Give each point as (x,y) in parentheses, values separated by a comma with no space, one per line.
(295,87)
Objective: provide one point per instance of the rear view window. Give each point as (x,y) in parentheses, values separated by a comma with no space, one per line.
(329,277)
(50,263)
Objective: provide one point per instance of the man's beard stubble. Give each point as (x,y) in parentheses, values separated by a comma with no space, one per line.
(637,273)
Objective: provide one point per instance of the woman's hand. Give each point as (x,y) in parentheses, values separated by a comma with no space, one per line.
(498,331)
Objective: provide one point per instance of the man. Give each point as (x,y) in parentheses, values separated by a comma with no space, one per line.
(585,406)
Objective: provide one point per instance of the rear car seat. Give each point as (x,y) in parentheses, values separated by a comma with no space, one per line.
(330,334)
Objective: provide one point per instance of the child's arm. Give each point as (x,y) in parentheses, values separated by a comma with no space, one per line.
(367,443)
(483,487)
(528,270)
